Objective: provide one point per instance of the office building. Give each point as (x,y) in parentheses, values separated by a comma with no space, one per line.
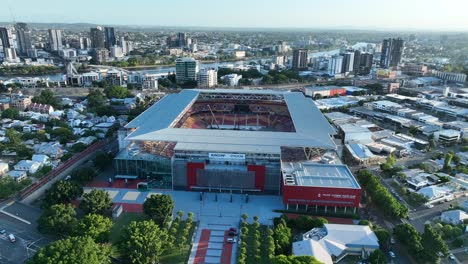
(451,76)
(101,55)
(362,62)
(232,79)
(55,39)
(182,39)
(348,62)
(335,65)
(97,38)
(392,51)
(32,53)
(6,37)
(110,39)
(116,52)
(299,61)
(23,37)
(207,78)
(186,70)
(10,55)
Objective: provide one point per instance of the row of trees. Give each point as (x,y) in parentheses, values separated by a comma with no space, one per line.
(426,247)
(381,196)
(28,70)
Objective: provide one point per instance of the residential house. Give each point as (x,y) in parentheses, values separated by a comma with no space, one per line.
(3,168)
(454,217)
(17,175)
(42,159)
(28,166)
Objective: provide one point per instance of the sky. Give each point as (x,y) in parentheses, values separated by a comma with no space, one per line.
(429,15)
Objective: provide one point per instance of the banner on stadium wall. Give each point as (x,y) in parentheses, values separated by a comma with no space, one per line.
(226,156)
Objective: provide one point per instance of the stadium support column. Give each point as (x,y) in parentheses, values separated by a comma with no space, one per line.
(192,168)
(259,171)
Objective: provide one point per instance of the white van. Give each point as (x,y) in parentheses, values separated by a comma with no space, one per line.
(12,238)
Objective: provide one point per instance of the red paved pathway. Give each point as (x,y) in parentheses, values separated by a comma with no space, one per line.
(132,208)
(202,247)
(226,253)
(132,184)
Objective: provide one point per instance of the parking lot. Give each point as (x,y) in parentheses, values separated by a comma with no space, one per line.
(28,239)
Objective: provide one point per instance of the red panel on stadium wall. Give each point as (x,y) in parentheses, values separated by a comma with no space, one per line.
(322,196)
(192,173)
(340,91)
(259,175)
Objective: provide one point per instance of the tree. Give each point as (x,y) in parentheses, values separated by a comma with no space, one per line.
(96,202)
(448,161)
(413,130)
(142,242)
(95,98)
(73,250)
(62,192)
(83,175)
(78,147)
(116,91)
(159,207)
(47,97)
(64,134)
(409,236)
(103,160)
(8,186)
(383,236)
(244,217)
(377,257)
(58,219)
(433,244)
(95,226)
(10,113)
(283,259)
(282,236)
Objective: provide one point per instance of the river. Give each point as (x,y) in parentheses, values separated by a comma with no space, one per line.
(167,69)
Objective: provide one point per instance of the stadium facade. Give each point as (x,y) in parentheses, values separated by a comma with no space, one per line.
(230,140)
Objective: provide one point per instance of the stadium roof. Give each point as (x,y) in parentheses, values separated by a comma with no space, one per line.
(157,124)
(319,175)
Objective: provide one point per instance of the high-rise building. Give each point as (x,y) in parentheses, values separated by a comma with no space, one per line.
(97,38)
(335,65)
(348,62)
(10,55)
(23,36)
(186,70)
(299,61)
(365,63)
(110,39)
(55,39)
(6,37)
(101,55)
(392,51)
(182,39)
(207,78)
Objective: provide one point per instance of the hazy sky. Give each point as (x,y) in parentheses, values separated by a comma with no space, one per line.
(356,14)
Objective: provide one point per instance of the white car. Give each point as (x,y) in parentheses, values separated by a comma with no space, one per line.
(231,240)
(429,206)
(392,255)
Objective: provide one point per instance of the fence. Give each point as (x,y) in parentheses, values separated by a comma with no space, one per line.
(62,167)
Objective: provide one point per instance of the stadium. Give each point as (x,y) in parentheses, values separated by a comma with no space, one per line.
(223,140)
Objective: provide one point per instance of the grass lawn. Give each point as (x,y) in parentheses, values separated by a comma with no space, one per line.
(121,222)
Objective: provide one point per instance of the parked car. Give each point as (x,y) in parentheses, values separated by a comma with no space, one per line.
(232,233)
(392,255)
(392,240)
(12,238)
(231,240)
(2,231)
(233,229)
(429,206)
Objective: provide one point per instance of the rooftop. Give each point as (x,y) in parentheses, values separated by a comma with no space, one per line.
(157,123)
(318,175)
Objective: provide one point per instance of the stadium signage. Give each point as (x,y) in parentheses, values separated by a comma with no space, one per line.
(226,156)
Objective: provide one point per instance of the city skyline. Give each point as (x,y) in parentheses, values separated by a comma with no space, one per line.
(334,14)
